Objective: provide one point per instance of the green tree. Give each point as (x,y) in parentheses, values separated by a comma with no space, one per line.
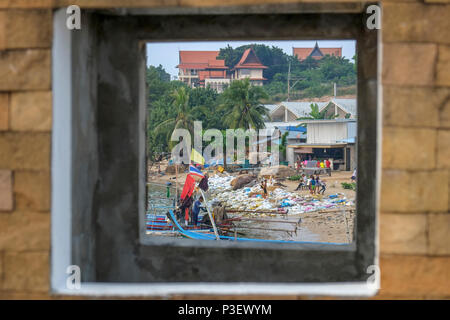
(183,119)
(242,105)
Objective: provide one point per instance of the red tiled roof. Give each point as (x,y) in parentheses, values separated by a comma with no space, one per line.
(303,53)
(249,60)
(332,51)
(200,60)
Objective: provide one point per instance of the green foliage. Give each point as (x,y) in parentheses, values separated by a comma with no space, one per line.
(242,105)
(350,186)
(239,106)
(295,178)
(172,104)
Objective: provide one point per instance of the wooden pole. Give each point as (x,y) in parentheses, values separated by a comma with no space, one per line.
(176,183)
(210,215)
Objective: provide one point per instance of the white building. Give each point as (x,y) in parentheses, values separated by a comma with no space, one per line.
(334,138)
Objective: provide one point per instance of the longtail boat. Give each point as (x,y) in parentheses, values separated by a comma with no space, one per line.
(211,236)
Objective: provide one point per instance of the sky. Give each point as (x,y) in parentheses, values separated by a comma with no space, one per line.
(166,53)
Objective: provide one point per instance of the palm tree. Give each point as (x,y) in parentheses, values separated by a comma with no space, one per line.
(184,118)
(242,103)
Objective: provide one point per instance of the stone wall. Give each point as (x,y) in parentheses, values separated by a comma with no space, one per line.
(414,218)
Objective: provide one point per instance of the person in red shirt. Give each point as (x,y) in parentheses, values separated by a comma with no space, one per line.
(328,167)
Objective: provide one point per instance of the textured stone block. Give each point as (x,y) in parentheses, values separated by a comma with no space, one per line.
(25,150)
(443,64)
(31,111)
(2,29)
(445,115)
(26,271)
(20,231)
(27,4)
(28,29)
(413,106)
(439,234)
(404,276)
(443,149)
(6,191)
(406,191)
(405,148)
(4,111)
(415,22)
(32,190)
(25,70)
(403,233)
(1,271)
(401,63)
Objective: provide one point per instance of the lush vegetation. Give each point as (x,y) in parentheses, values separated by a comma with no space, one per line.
(309,78)
(171,104)
(350,186)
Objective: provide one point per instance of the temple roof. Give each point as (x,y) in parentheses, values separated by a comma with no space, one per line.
(303,53)
(249,60)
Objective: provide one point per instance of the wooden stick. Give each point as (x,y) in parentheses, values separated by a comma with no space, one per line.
(256,228)
(261,220)
(211,218)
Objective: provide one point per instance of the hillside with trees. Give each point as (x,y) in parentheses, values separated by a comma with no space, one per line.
(172,104)
(309,78)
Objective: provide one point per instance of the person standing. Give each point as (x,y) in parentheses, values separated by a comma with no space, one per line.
(264,188)
(328,167)
(317,184)
(323,187)
(312,184)
(196,210)
(354,175)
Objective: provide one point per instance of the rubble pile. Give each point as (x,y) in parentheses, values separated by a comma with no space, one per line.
(251,198)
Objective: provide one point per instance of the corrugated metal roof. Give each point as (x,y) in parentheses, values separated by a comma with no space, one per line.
(302,109)
(348,104)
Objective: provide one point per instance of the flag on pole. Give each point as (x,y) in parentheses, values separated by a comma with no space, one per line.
(195,172)
(188,188)
(197,157)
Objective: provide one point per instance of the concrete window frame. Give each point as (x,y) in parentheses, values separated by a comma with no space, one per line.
(98,161)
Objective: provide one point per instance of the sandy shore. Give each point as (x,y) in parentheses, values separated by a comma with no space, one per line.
(331,225)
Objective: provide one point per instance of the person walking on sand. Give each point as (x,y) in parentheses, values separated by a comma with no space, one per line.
(323,186)
(354,176)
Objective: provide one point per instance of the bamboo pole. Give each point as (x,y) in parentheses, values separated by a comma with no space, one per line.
(176,182)
(256,228)
(210,215)
(261,220)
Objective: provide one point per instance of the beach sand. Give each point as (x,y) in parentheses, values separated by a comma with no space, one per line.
(334,225)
